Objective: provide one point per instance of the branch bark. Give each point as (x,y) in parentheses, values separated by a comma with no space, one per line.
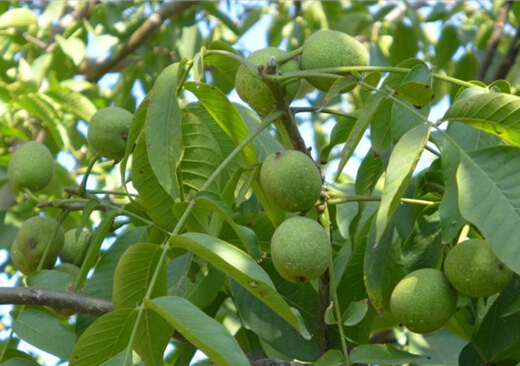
(495,38)
(55,299)
(510,57)
(138,38)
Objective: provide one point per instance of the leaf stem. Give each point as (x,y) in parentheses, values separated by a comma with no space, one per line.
(63,214)
(324,219)
(83,185)
(354,198)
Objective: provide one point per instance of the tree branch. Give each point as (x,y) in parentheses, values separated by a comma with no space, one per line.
(495,38)
(138,38)
(510,57)
(55,299)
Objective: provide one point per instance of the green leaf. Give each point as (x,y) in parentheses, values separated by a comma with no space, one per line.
(73,102)
(489,197)
(123,358)
(51,279)
(96,240)
(381,268)
(239,266)
(152,337)
(364,119)
(74,48)
(18,18)
(447,45)
(405,43)
(156,202)
(137,125)
(382,354)
(134,273)
(495,113)
(105,338)
(338,135)
(225,114)
(202,331)
(423,248)
(246,235)
(19,362)
(164,129)
(202,155)
(332,357)
(271,328)
(497,332)
(416,87)
(355,313)
(44,331)
(401,165)
(101,283)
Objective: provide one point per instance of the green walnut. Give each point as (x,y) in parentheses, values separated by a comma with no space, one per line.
(291,180)
(75,249)
(31,166)
(31,242)
(252,90)
(108,131)
(423,300)
(474,270)
(329,48)
(300,249)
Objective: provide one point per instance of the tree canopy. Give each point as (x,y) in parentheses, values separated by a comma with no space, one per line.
(150,207)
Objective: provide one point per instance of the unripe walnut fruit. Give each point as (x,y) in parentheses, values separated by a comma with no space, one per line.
(423,300)
(108,131)
(291,180)
(74,250)
(474,270)
(31,242)
(254,91)
(300,249)
(31,166)
(329,48)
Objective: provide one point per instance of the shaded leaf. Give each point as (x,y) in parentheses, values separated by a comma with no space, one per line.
(225,114)
(357,132)
(202,331)
(105,338)
(355,313)
(152,337)
(163,128)
(381,354)
(401,165)
(489,197)
(134,273)
(44,331)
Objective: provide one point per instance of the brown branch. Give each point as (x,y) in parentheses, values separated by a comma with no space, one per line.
(55,299)
(139,37)
(495,38)
(510,57)
(323,304)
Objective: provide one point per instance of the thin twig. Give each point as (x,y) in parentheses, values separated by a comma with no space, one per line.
(510,57)
(495,38)
(139,37)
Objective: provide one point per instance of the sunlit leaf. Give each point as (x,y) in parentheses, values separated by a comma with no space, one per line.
(495,113)
(202,331)
(239,266)
(402,163)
